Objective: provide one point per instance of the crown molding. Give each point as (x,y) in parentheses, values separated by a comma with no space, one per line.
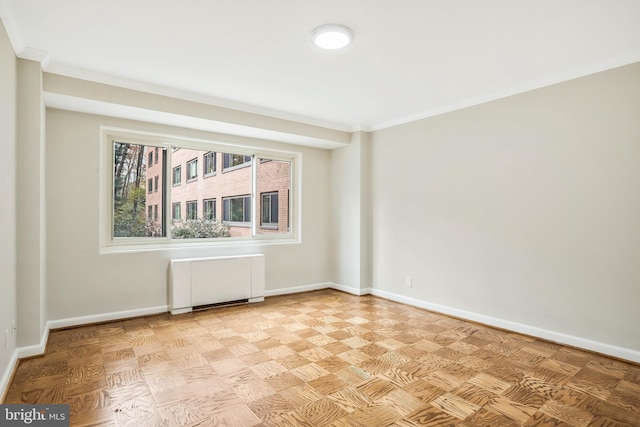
(36,55)
(619,61)
(10,26)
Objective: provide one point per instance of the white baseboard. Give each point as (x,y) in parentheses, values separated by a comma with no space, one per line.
(349,289)
(8,373)
(36,349)
(317,287)
(106,317)
(296,289)
(558,337)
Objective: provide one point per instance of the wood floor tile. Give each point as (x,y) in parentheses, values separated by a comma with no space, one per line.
(323,358)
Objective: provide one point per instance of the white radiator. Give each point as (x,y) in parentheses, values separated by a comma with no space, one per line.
(200,282)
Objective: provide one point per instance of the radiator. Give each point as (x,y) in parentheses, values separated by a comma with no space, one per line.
(202,282)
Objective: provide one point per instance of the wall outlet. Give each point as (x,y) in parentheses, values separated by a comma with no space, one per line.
(408,282)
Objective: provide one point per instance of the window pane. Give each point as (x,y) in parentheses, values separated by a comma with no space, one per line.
(132,202)
(209,210)
(209,163)
(175,211)
(200,191)
(274,184)
(192,210)
(177,175)
(192,169)
(231,160)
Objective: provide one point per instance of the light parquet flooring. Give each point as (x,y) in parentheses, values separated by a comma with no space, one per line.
(323,358)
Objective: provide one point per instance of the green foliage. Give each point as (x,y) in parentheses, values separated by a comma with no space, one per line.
(199,229)
(129,217)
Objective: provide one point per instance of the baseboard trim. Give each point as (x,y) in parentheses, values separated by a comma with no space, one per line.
(316,287)
(349,289)
(106,317)
(37,349)
(8,375)
(558,337)
(296,289)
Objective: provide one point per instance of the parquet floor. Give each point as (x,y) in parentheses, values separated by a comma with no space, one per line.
(323,358)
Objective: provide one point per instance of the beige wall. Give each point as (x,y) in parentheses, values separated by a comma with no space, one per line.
(31,267)
(350,214)
(525,209)
(8,251)
(83,282)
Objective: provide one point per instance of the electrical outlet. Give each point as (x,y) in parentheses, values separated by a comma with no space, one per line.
(408,282)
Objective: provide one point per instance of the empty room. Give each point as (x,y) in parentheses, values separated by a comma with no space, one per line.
(292,213)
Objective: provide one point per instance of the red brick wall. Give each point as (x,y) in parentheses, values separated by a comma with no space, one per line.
(273,176)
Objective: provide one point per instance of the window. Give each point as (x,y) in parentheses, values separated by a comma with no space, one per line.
(177,175)
(150,158)
(192,170)
(236,209)
(209,162)
(269,209)
(129,214)
(175,211)
(234,160)
(192,209)
(143,209)
(273,184)
(209,209)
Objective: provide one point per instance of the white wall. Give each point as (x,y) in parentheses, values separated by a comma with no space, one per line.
(31,267)
(8,256)
(350,214)
(82,282)
(525,209)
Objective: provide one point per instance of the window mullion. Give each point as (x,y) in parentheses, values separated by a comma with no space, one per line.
(166,191)
(254,204)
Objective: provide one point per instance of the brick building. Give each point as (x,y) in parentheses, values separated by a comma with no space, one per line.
(217,186)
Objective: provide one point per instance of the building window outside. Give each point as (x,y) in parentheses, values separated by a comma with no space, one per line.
(209,162)
(192,209)
(234,160)
(269,209)
(236,209)
(192,170)
(150,158)
(177,175)
(251,194)
(175,211)
(209,209)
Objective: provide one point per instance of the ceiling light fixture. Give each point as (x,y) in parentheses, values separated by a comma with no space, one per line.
(332,36)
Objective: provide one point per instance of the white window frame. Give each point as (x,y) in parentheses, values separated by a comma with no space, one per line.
(170,143)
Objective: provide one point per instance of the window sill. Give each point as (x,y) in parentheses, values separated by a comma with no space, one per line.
(117,247)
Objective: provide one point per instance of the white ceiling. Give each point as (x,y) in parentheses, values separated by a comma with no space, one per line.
(410,58)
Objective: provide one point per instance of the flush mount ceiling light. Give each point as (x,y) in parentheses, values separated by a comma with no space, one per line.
(332,36)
